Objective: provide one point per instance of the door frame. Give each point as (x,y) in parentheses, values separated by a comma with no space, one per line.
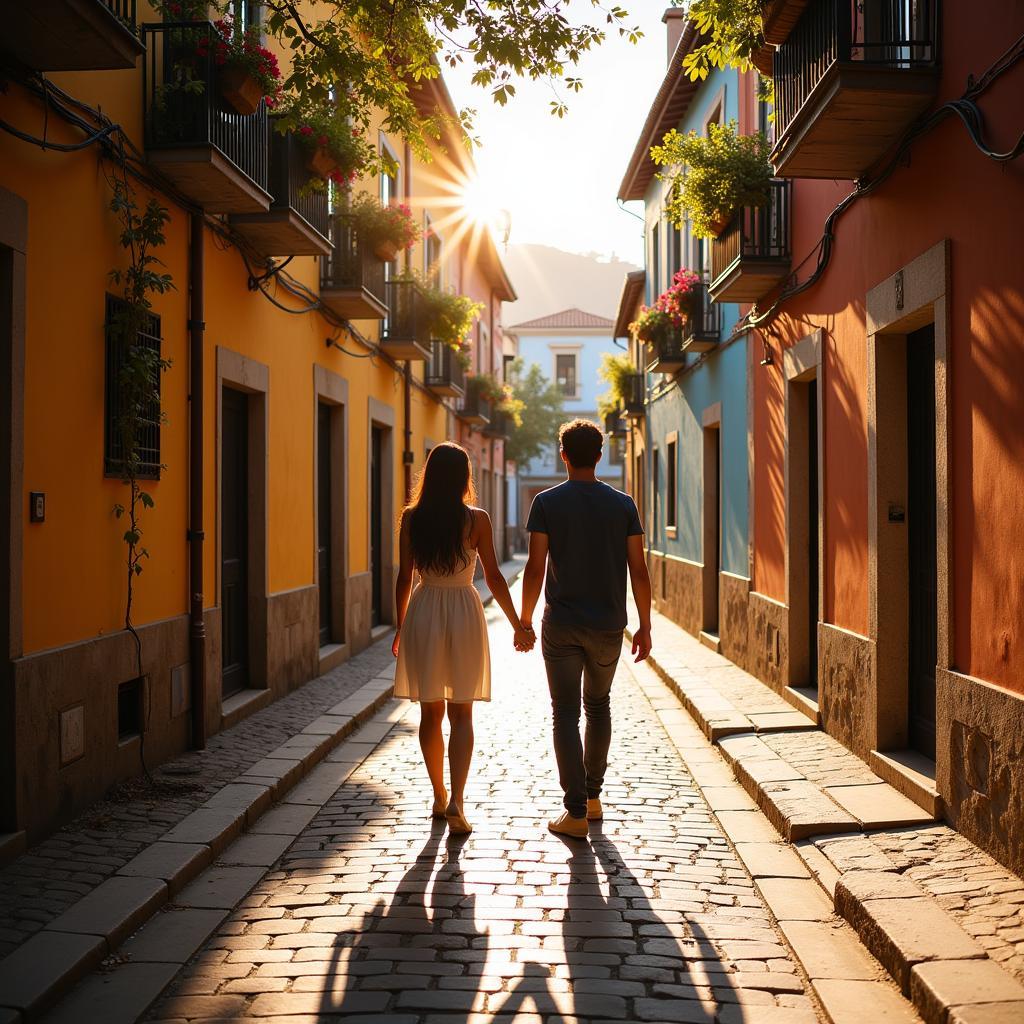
(378,414)
(711,519)
(14,240)
(801,364)
(913,297)
(330,389)
(253,378)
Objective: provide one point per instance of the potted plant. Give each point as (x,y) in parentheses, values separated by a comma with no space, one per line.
(450,315)
(388,229)
(248,71)
(724,171)
(617,370)
(336,151)
(672,310)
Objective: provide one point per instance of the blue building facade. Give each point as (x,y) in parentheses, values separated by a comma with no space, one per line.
(688,455)
(567,346)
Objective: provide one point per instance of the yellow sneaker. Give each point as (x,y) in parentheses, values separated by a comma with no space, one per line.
(566,825)
(595,812)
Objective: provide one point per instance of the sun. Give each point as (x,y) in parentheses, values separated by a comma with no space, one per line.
(480,205)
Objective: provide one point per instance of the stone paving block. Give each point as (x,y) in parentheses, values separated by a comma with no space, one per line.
(938,985)
(860,1002)
(45,966)
(799,809)
(172,936)
(828,951)
(904,932)
(878,805)
(778,721)
(272,1004)
(285,820)
(175,863)
(766,1015)
(200,1007)
(328,725)
(320,784)
(795,899)
(251,798)
(747,827)
(214,827)
(256,850)
(113,909)
(219,887)
(771,860)
(119,997)
(727,798)
(987,1013)
(272,770)
(818,864)
(856,886)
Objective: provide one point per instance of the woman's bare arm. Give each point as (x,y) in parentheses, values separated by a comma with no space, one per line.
(403,586)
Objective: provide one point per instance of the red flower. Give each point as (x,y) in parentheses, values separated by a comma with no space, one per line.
(322,141)
(306,130)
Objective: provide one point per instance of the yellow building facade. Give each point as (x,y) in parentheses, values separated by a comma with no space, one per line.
(297,405)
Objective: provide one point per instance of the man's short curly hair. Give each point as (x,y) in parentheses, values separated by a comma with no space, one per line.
(582,442)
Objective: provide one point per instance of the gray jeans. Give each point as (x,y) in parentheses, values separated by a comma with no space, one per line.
(575,655)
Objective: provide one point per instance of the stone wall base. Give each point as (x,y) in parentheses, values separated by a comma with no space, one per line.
(733,618)
(677,591)
(768,641)
(847,683)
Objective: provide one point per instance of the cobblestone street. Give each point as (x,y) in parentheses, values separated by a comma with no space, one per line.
(375,910)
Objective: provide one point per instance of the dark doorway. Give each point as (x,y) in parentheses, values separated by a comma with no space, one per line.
(323,517)
(234,539)
(921,538)
(813,534)
(712,528)
(377,448)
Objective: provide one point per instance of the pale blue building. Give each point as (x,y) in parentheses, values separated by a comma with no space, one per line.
(567,346)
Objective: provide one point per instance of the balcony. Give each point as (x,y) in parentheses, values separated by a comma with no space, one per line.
(635,399)
(406,330)
(849,79)
(72,35)
(501,426)
(752,255)
(297,222)
(216,157)
(613,425)
(664,352)
(704,328)
(473,408)
(445,375)
(351,277)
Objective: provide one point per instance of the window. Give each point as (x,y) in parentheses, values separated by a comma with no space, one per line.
(432,254)
(507,372)
(655,261)
(247,13)
(116,350)
(671,496)
(565,373)
(655,492)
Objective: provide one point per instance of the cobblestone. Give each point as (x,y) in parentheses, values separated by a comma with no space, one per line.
(375,909)
(101,840)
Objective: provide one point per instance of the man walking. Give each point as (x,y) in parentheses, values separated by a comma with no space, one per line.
(587,533)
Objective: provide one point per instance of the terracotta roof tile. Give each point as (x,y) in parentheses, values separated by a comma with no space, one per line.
(566,318)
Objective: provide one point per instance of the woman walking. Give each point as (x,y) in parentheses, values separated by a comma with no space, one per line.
(441,644)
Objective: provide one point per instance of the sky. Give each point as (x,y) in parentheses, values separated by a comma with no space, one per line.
(558,178)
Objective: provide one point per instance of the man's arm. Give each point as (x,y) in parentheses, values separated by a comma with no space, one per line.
(640,580)
(533,575)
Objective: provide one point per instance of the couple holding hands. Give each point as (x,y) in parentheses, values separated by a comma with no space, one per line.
(585,536)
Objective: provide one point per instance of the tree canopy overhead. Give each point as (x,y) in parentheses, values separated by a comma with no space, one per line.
(369,58)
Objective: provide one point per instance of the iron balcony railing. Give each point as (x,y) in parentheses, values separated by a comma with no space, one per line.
(885,33)
(444,370)
(500,425)
(473,405)
(635,395)
(351,263)
(755,232)
(123,10)
(705,323)
(407,319)
(613,423)
(289,182)
(179,115)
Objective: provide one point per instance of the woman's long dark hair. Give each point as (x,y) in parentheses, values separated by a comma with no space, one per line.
(437,511)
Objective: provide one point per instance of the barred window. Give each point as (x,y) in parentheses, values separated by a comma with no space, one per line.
(116,350)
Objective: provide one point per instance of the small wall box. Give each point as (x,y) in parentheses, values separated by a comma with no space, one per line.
(36,506)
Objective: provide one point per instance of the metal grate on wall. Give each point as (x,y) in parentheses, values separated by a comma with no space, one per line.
(116,349)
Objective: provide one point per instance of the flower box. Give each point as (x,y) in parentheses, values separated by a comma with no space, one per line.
(241,90)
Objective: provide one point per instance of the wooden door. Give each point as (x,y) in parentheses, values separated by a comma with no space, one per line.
(234,542)
(377,523)
(813,534)
(921,538)
(323,518)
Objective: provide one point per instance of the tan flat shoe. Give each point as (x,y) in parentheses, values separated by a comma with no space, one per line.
(595,812)
(457,824)
(566,825)
(440,806)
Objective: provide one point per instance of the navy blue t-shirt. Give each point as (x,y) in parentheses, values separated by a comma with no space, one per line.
(587,523)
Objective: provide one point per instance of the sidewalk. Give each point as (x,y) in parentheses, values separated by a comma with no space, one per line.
(943,918)
(73,898)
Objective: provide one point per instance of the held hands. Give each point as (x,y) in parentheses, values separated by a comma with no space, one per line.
(524,638)
(394,643)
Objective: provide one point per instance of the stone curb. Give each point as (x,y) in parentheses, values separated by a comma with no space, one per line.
(44,967)
(942,970)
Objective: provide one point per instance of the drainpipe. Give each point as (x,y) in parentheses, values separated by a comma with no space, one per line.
(407,455)
(197,625)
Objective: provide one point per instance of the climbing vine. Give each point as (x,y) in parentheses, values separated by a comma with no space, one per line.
(138,381)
